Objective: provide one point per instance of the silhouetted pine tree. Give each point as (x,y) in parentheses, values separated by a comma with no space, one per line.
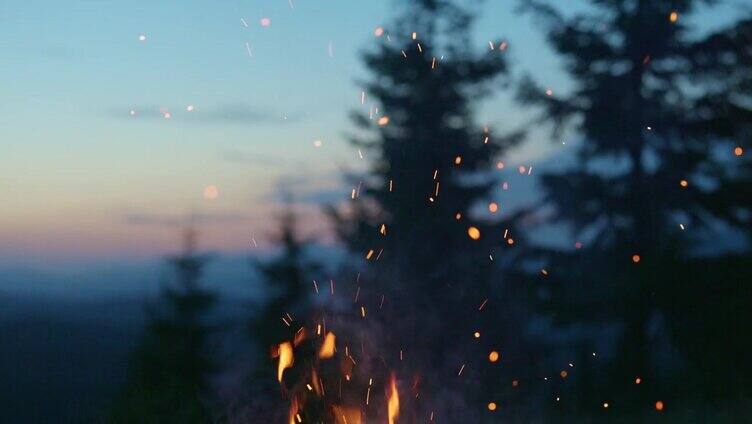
(285,311)
(657,135)
(169,371)
(428,284)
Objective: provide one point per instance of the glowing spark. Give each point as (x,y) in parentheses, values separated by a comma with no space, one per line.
(383,121)
(285,359)
(605,405)
(549,92)
(482,304)
(659,406)
(493,356)
(132,112)
(167,115)
(318,143)
(379,31)
(493,207)
(458,160)
(473,233)
(476,335)
(491,406)
(738,151)
(265,22)
(189,108)
(636,258)
(327,349)
(393,402)
(142,38)
(673,16)
(415,35)
(683,183)
(211,192)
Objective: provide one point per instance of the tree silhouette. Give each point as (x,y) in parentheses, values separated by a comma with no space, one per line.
(279,318)
(655,160)
(169,371)
(428,260)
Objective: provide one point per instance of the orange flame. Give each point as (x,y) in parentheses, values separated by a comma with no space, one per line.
(393,403)
(293,410)
(285,359)
(346,415)
(327,349)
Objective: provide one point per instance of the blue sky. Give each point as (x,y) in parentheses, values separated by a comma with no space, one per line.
(81,179)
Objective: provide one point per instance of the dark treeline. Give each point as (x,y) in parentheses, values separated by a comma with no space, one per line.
(443,303)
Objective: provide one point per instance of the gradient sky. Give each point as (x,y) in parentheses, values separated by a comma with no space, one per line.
(81,179)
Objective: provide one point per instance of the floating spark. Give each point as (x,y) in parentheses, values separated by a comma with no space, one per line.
(211,192)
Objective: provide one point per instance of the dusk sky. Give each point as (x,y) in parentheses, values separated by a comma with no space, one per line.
(82,179)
